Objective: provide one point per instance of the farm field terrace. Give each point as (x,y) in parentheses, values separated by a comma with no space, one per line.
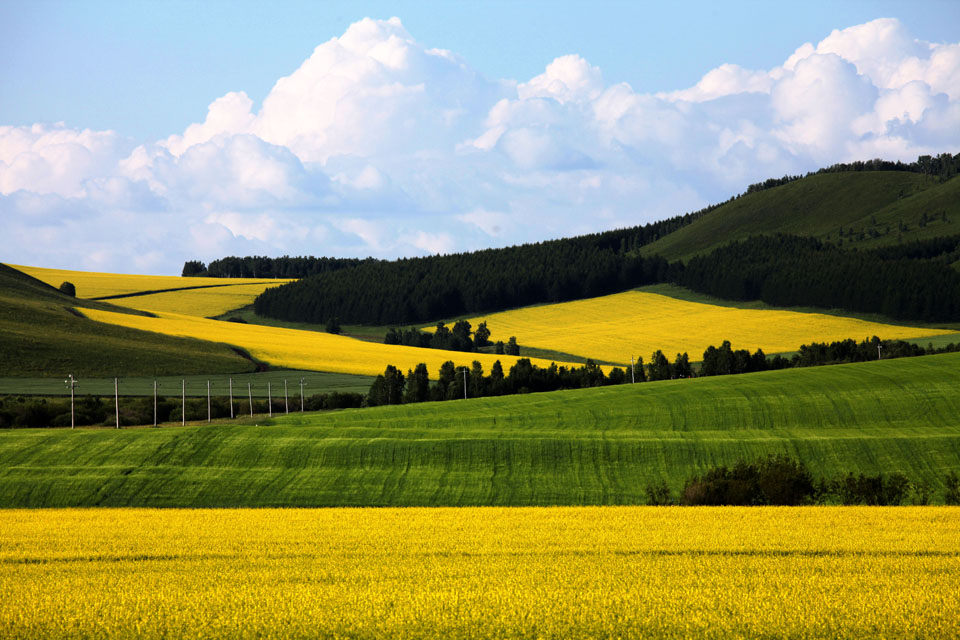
(593,572)
(612,328)
(580,447)
(296,349)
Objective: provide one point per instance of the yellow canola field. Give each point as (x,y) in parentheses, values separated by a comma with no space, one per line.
(551,573)
(298,349)
(203,303)
(92,284)
(612,328)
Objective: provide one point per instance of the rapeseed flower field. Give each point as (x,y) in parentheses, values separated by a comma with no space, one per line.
(297,349)
(204,303)
(92,284)
(582,572)
(612,328)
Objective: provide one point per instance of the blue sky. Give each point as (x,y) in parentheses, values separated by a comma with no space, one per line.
(139,131)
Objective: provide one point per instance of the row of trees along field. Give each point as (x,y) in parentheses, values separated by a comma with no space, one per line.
(914,282)
(393,387)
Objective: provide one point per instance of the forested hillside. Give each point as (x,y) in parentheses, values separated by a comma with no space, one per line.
(416,290)
(912,282)
(854,206)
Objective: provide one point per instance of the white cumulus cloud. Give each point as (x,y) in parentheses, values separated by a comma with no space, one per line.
(378,144)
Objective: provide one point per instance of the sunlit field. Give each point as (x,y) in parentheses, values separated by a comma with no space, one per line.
(594,572)
(91,284)
(635,323)
(204,303)
(296,349)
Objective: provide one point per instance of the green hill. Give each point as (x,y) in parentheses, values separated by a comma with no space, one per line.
(593,446)
(872,203)
(41,335)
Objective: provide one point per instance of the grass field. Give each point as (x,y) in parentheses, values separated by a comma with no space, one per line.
(562,573)
(590,446)
(819,205)
(41,335)
(636,323)
(297,349)
(196,386)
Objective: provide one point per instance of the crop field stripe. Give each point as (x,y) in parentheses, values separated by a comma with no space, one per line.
(588,446)
(614,327)
(594,572)
(296,349)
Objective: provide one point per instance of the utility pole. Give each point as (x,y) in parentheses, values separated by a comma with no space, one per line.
(154,402)
(633,371)
(879,346)
(72,383)
(269,400)
(208,400)
(116,398)
(464,383)
(183,400)
(286,400)
(301,395)
(231,397)
(250,398)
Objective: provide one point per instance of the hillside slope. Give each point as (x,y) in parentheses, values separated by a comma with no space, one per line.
(42,335)
(592,446)
(872,203)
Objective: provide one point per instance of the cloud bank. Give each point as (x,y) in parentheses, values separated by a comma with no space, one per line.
(379,145)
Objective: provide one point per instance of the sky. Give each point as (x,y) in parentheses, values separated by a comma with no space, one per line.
(137,135)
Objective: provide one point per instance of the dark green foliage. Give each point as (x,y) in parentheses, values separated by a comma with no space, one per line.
(659,367)
(793,271)
(512,348)
(68,288)
(524,377)
(481,337)
(775,480)
(333,325)
(878,490)
(265,267)
(192,268)
(387,388)
(952,493)
(658,494)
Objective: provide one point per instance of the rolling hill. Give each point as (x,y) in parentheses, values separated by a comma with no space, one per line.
(591,446)
(42,334)
(874,203)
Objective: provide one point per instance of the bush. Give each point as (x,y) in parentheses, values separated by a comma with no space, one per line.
(69,289)
(658,494)
(952,493)
(775,480)
(878,490)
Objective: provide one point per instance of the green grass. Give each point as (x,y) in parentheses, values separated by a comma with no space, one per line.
(196,385)
(40,335)
(592,446)
(819,205)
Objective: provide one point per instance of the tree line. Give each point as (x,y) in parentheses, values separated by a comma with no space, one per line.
(461,337)
(943,166)
(266,267)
